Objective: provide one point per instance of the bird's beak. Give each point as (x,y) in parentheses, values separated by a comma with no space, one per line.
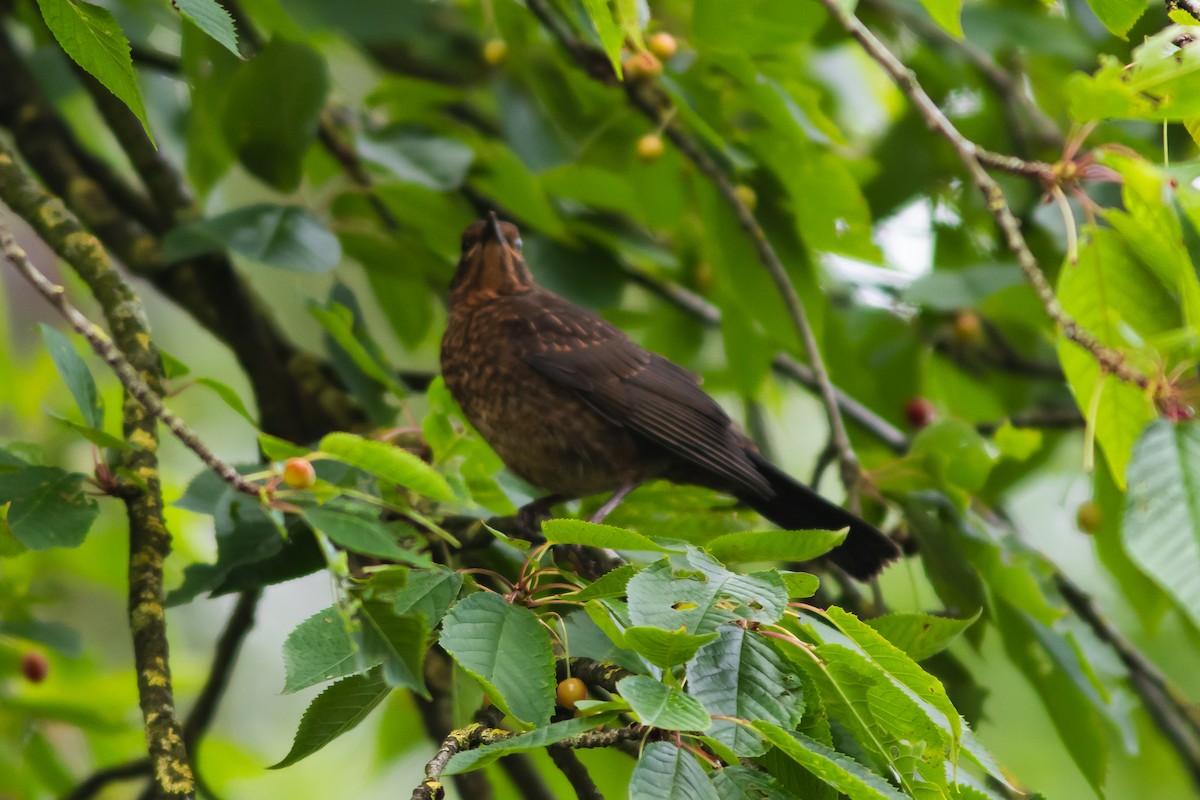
(494,229)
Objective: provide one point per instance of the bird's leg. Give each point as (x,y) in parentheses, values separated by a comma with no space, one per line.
(614,501)
(531,515)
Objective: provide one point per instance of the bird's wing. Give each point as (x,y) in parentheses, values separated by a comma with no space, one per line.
(635,388)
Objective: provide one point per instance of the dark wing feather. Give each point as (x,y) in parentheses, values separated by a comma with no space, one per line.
(639,390)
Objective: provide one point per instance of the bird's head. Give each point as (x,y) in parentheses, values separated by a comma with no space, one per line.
(491,261)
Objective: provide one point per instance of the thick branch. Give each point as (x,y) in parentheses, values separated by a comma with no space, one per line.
(1110,360)
(137,363)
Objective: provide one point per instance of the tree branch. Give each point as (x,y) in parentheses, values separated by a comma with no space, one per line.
(1110,360)
(576,773)
(138,364)
(478,734)
(240,621)
(95,783)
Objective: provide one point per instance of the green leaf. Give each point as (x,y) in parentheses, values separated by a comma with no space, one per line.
(754,26)
(467,760)
(743,783)
(800,584)
(289,237)
(75,373)
(94,435)
(412,156)
(505,648)
(610,584)
(1017,443)
(612,38)
(702,600)
(954,453)
(577,531)
(667,772)
(960,288)
(396,641)
(317,650)
(665,648)
(397,266)
(271,110)
(920,635)
(46,507)
(428,592)
(948,14)
(388,462)
(369,536)
(358,359)
(1118,15)
(1079,725)
(230,398)
(1111,295)
(278,449)
(902,669)
(663,706)
(838,770)
(1151,228)
(212,18)
(741,676)
(1161,530)
(333,712)
(744,546)
(54,635)
(93,39)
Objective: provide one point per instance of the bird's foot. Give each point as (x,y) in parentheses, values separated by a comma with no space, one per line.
(531,516)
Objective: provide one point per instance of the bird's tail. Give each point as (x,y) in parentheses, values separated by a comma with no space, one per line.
(794,506)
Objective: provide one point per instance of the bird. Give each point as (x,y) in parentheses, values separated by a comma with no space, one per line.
(576,408)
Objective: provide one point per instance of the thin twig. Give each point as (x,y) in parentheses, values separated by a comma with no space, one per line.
(1048,418)
(656,106)
(95,783)
(527,777)
(575,772)
(108,352)
(1010,88)
(1110,360)
(703,311)
(240,621)
(1135,661)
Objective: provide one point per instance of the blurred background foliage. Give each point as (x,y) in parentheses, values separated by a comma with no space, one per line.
(446,109)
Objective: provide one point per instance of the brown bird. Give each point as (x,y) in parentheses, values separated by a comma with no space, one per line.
(575,407)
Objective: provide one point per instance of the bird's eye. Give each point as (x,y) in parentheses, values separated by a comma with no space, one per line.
(517,243)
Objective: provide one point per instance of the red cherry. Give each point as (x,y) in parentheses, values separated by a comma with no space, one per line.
(34,667)
(919,412)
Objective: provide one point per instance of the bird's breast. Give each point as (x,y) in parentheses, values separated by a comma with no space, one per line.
(541,430)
